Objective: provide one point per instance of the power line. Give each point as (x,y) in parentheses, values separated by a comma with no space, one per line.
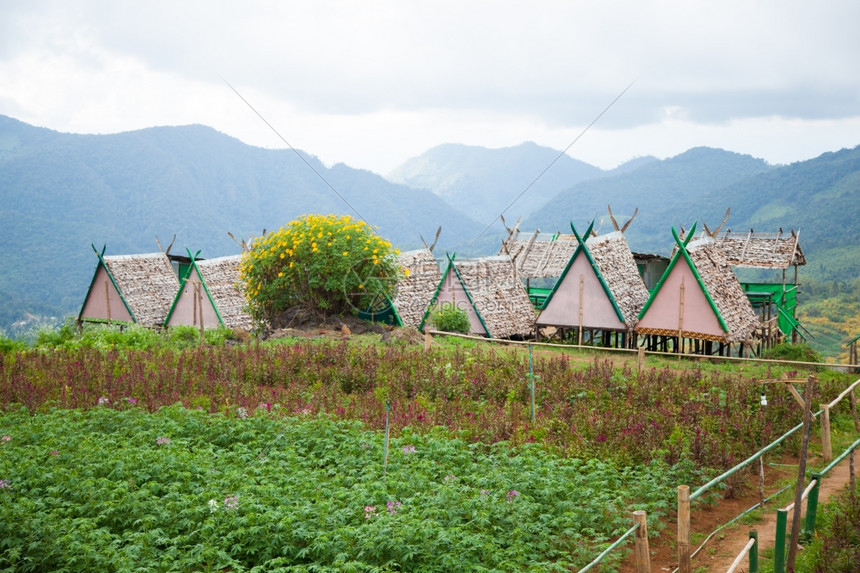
(517,198)
(302,157)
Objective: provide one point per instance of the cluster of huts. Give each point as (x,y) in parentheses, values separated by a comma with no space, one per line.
(585,288)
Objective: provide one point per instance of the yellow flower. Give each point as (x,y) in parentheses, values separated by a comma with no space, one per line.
(345,253)
(361,286)
(406,272)
(280,275)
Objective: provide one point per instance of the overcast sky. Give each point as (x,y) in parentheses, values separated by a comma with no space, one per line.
(371,84)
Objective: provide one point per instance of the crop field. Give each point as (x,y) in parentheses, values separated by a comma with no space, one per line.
(274,457)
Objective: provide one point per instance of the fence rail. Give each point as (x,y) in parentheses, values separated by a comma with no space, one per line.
(811,491)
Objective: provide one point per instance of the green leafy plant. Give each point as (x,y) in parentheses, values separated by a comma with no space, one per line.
(329,263)
(449,317)
(185,490)
(788,351)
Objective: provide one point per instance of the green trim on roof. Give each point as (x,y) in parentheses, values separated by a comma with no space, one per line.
(205,286)
(582,247)
(436,294)
(596,270)
(472,301)
(184,280)
(853,340)
(433,300)
(112,280)
(662,280)
(682,247)
(682,252)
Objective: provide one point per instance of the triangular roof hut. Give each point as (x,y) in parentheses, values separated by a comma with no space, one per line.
(416,286)
(600,287)
(210,292)
(130,288)
(492,294)
(698,297)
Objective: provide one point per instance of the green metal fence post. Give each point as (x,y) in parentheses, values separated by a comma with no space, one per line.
(779,550)
(754,552)
(811,509)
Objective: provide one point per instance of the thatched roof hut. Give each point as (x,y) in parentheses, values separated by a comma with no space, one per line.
(492,294)
(762,250)
(211,289)
(600,287)
(130,288)
(699,297)
(416,286)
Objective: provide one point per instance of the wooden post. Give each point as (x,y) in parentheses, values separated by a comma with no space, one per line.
(761,480)
(641,359)
(826,448)
(684,529)
(801,473)
(200,310)
(427,340)
(681,319)
(851,481)
(581,292)
(194,305)
(853,400)
(643,553)
(107,301)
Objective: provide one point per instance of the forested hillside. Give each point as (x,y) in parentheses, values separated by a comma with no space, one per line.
(61,193)
(485,182)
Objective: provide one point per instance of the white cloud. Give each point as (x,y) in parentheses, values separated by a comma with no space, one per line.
(371,84)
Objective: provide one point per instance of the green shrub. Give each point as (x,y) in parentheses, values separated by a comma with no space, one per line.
(449,318)
(795,352)
(330,263)
(52,337)
(836,546)
(9,344)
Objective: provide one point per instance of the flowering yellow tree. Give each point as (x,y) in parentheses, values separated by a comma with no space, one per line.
(328,262)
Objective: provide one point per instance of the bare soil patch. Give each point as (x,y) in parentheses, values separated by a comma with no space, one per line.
(722,549)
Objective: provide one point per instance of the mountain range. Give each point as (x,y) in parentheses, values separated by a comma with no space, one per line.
(62,193)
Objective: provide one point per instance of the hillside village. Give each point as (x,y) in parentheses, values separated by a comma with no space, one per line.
(589,289)
(90,193)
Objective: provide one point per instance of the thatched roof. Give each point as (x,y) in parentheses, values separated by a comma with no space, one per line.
(497,300)
(146,285)
(615,261)
(715,306)
(762,250)
(724,288)
(221,279)
(415,289)
(540,255)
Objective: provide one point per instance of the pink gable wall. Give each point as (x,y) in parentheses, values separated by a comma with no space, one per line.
(665,309)
(453,290)
(183,311)
(95,306)
(597,309)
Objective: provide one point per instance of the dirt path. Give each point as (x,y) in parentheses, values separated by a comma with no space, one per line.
(720,552)
(734,541)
